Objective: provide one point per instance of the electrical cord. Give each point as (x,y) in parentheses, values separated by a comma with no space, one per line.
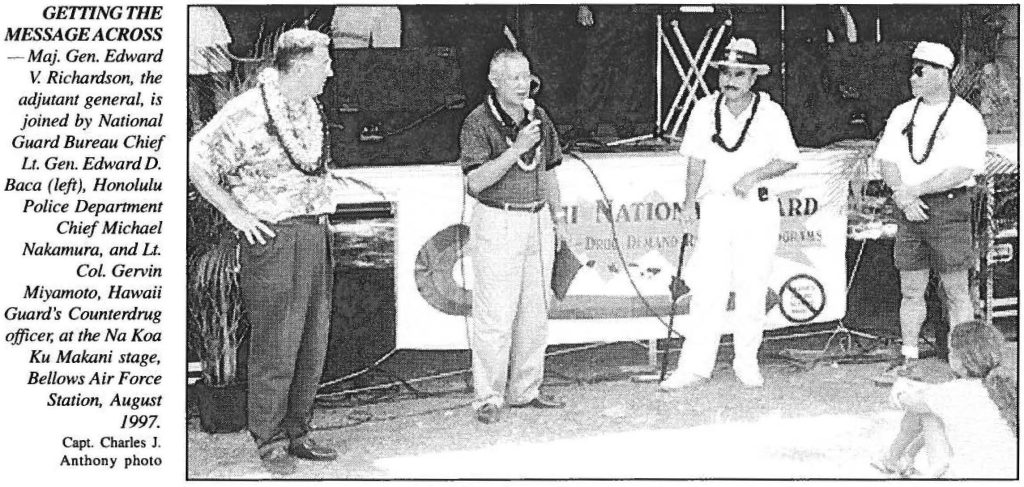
(450,105)
(618,246)
(540,256)
(329,398)
(454,372)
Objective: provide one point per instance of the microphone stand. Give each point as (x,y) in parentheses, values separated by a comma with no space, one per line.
(676,109)
(676,289)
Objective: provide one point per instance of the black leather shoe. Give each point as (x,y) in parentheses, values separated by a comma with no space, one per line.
(307,449)
(276,460)
(541,402)
(488,413)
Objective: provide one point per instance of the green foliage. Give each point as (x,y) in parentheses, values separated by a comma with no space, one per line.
(216,322)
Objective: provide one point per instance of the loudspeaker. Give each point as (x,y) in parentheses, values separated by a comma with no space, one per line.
(1005,259)
(845,91)
(363,301)
(394,106)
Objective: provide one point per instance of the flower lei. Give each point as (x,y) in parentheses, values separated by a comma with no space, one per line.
(293,131)
(909,131)
(717,138)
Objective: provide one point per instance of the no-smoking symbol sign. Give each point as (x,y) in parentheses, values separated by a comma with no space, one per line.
(802,298)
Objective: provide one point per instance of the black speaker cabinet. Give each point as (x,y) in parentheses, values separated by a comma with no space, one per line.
(394,106)
(1005,267)
(845,91)
(363,302)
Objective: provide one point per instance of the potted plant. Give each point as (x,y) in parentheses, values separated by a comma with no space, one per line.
(217,329)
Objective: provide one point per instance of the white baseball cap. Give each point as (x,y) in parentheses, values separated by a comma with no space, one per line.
(934,53)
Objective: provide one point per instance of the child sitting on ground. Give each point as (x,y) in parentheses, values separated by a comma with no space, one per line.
(967,427)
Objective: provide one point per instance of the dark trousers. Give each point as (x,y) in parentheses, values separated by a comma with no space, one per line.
(286,290)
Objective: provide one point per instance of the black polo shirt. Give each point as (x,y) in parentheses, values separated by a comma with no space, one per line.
(487,133)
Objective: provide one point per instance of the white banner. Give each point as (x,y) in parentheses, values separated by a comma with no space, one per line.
(612,297)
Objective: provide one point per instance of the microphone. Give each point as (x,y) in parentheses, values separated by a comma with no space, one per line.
(530,106)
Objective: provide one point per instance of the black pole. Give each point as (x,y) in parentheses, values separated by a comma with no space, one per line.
(677,284)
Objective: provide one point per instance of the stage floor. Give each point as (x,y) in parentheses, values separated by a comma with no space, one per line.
(828,422)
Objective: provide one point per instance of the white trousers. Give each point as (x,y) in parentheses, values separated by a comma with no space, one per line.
(736,244)
(512,254)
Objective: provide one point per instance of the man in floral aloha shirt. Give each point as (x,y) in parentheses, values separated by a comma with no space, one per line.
(262,162)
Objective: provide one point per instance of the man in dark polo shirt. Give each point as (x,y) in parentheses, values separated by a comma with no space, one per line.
(509,152)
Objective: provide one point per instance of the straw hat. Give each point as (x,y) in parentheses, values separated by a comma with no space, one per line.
(742,53)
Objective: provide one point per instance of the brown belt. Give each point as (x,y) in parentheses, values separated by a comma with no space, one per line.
(533,207)
(949,193)
(308,219)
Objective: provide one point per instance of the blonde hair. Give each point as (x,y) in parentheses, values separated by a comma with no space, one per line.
(979,346)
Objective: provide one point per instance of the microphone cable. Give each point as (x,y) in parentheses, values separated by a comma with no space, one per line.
(618,246)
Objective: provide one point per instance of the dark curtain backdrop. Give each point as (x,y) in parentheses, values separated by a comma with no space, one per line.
(605,74)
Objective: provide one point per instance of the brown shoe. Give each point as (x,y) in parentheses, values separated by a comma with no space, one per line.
(488,413)
(277,461)
(307,449)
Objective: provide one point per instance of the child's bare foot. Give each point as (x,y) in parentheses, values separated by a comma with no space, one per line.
(887,466)
(899,467)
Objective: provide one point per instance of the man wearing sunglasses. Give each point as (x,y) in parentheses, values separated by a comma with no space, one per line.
(932,148)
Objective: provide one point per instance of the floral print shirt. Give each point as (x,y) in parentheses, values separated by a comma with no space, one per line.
(253,165)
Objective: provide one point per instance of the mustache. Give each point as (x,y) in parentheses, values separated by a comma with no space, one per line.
(730,87)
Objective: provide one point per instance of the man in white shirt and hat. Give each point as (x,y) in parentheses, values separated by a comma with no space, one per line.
(735,141)
(932,148)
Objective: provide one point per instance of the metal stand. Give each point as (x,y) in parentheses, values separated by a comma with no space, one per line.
(676,289)
(841,329)
(659,37)
(677,109)
(844,336)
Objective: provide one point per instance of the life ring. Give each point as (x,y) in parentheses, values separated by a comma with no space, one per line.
(435,265)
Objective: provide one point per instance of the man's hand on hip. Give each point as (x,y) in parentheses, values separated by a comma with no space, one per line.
(743,186)
(915,210)
(250,226)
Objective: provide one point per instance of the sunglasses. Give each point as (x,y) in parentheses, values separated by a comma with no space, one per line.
(918,69)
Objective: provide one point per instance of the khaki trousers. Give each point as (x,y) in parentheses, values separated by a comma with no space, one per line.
(512,253)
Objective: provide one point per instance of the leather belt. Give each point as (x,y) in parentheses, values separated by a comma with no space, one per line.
(949,193)
(533,207)
(308,219)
